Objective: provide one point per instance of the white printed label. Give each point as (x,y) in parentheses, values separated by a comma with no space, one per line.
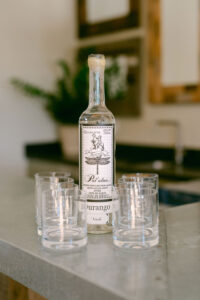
(97,219)
(96,169)
(98,212)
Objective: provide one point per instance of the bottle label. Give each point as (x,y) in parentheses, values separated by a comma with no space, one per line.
(97,170)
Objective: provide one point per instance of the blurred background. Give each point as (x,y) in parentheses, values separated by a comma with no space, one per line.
(152,85)
(152,80)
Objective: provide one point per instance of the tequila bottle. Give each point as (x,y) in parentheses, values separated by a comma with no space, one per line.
(97,151)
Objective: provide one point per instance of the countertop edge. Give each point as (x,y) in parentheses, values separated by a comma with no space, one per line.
(56,285)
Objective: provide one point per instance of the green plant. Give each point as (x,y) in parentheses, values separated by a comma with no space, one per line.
(70,96)
(64,104)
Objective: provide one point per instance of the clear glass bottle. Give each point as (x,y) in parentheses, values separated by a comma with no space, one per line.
(97,151)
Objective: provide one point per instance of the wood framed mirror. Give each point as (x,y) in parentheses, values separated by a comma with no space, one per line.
(174,51)
(100,17)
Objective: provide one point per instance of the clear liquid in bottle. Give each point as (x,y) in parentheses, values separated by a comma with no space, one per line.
(97,151)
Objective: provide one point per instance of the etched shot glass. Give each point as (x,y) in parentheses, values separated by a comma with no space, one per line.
(135,215)
(143,178)
(46,181)
(64,223)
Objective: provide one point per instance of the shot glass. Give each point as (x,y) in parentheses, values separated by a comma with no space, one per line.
(46,181)
(135,216)
(142,178)
(64,223)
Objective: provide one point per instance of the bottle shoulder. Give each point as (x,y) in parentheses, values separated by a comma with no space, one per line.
(97,115)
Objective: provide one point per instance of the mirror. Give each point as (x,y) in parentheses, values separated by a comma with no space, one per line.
(174,51)
(96,11)
(104,16)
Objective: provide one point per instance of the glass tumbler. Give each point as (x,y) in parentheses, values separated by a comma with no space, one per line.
(143,178)
(64,224)
(46,181)
(135,216)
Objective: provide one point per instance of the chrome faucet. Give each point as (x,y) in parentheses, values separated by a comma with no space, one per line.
(179,150)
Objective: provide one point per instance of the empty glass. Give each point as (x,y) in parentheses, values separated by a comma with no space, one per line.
(145,178)
(64,224)
(46,181)
(135,215)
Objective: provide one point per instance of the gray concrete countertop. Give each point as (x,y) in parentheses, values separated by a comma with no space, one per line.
(169,271)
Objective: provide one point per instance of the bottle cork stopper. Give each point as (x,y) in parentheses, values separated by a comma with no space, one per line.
(96,61)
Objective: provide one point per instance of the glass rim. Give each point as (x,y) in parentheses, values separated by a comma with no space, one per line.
(74,185)
(65,179)
(129,187)
(151,191)
(65,173)
(49,174)
(63,190)
(58,186)
(139,178)
(133,184)
(132,188)
(140,175)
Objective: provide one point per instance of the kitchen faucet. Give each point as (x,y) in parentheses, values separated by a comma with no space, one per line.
(179,151)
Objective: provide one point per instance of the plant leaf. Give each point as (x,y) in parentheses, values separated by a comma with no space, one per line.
(30,89)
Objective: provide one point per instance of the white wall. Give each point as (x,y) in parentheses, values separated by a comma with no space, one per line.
(180,42)
(33,35)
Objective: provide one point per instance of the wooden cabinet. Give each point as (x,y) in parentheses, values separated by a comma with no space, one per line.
(13,290)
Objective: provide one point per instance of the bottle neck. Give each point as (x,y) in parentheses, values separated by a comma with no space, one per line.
(96,90)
